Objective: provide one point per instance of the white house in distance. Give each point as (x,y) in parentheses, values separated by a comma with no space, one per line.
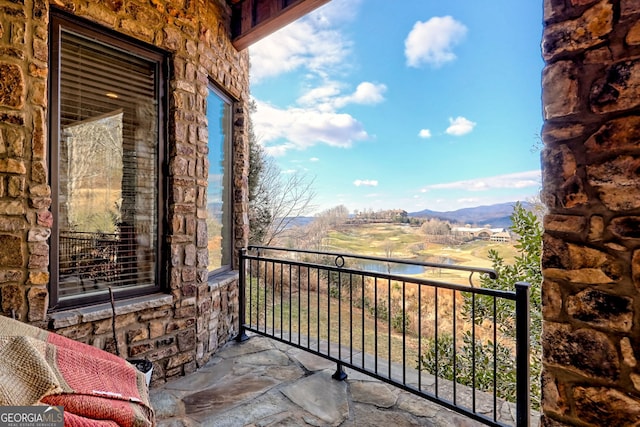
(482,233)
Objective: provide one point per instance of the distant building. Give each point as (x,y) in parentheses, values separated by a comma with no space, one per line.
(383,216)
(502,236)
(482,233)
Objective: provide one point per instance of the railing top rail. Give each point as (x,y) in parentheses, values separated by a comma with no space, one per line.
(275,286)
(87,234)
(488,271)
(510,295)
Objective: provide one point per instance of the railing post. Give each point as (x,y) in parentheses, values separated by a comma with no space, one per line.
(339,374)
(242,284)
(523,389)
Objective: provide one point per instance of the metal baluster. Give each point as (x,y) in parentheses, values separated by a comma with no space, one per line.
(522,354)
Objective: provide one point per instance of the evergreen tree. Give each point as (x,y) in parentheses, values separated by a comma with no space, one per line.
(526,268)
(259,216)
(275,199)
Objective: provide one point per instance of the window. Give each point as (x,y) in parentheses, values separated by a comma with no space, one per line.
(105,153)
(219,183)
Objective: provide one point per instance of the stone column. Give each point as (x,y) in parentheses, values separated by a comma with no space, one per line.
(591,257)
(25,197)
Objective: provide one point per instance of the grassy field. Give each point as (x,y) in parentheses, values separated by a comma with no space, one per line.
(333,321)
(310,302)
(405,242)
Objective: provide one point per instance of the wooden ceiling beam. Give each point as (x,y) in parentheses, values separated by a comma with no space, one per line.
(254,19)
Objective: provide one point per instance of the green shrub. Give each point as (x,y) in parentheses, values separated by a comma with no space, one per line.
(478,309)
(400,322)
(458,366)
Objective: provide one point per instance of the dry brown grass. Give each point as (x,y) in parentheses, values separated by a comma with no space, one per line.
(405,311)
(355,319)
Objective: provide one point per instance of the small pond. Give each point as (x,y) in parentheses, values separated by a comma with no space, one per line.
(382,267)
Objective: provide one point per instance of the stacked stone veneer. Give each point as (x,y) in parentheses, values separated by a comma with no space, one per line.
(180,328)
(591,176)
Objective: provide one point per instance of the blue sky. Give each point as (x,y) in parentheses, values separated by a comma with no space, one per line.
(419,104)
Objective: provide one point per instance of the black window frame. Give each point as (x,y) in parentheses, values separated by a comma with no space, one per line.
(59,21)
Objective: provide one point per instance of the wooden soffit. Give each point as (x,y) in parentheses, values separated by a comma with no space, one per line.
(252,20)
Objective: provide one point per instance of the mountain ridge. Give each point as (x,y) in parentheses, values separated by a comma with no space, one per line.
(496,215)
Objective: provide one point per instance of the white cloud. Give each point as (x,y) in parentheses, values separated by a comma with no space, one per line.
(314,159)
(460,126)
(424,133)
(328,96)
(516,180)
(366,93)
(321,94)
(315,45)
(431,42)
(280,130)
(468,200)
(310,43)
(365,182)
(300,44)
(337,11)
(279,150)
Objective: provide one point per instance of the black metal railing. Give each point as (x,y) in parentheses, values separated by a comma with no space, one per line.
(96,261)
(446,342)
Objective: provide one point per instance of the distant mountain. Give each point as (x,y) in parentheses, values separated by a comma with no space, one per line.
(300,221)
(495,215)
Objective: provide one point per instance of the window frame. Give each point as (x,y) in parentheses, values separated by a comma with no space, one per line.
(228,178)
(62,21)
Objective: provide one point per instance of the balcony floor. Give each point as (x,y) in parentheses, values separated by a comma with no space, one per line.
(262,382)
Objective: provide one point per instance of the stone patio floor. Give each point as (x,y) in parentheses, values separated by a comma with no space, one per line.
(262,382)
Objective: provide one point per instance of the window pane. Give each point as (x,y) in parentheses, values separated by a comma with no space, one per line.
(218,191)
(108,179)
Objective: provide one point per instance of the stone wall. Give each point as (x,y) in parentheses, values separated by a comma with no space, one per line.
(591,260)
(591,185)
(179,329)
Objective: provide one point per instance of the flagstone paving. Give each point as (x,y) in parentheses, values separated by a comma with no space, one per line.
(262,382)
